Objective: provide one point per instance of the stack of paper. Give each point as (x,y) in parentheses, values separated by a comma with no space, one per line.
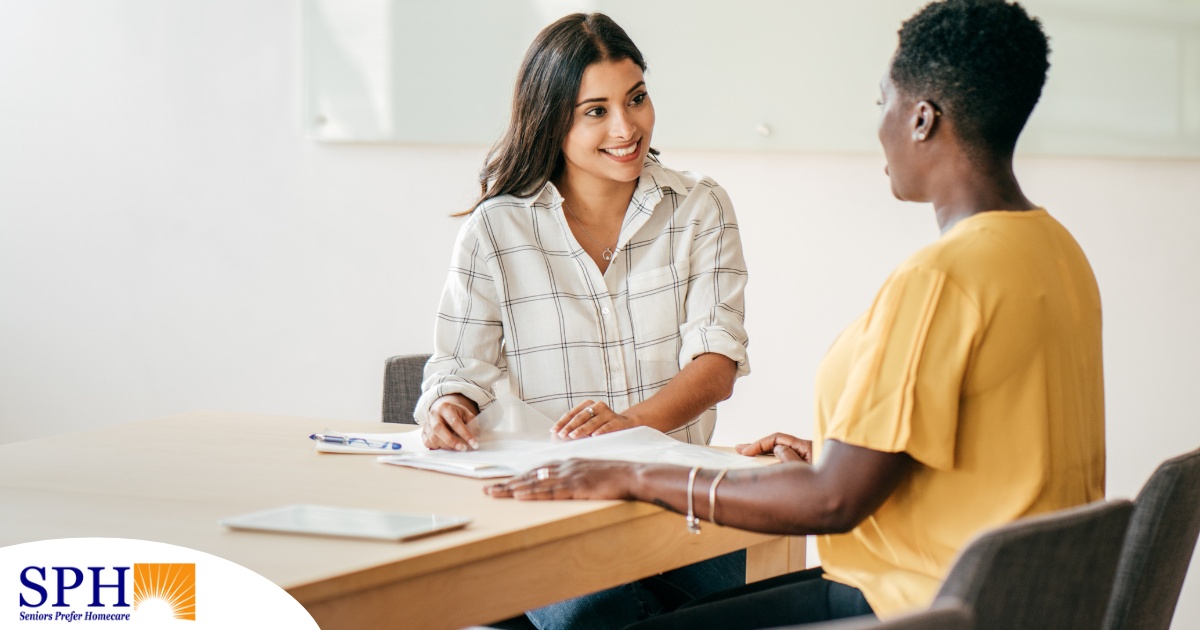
(507,453)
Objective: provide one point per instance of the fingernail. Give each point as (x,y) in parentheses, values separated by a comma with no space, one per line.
(574,434)
(460,447)
(474,443)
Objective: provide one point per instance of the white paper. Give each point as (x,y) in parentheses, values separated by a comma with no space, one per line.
(508,417)
(526,443)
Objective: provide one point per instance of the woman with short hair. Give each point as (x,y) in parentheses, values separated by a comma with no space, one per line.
(969,395)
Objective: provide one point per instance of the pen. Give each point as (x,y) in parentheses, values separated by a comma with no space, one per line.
(355,441)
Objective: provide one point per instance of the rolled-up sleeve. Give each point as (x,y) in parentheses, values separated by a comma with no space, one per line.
(715,305)
(468,356)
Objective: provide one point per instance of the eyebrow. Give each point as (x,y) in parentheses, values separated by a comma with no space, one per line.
(603,100)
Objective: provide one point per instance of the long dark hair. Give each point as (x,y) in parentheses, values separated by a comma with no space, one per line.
(529,154)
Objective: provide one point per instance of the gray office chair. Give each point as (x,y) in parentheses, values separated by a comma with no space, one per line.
(1158,547)
(945,614)
(402,378)
(1053,571)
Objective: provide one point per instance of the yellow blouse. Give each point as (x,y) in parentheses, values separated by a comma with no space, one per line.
(981,359)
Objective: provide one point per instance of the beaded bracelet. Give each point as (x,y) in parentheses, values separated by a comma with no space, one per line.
(693,523)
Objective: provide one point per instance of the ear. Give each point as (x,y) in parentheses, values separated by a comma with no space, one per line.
(925,120)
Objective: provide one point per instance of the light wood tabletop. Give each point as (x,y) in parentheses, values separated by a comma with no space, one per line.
(171,479)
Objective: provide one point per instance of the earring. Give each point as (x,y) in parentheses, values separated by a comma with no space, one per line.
(918,136)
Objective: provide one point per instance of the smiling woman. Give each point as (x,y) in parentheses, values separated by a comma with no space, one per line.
(604,289)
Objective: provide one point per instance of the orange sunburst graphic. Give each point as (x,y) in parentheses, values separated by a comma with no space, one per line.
(172,584)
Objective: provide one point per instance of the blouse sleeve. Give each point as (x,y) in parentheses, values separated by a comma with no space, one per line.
(905,379)
(467,357)
(715,305)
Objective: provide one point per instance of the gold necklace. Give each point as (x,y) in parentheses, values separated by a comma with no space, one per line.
(607,254)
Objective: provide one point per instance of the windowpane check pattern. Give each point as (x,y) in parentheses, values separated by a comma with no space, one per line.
(523,303)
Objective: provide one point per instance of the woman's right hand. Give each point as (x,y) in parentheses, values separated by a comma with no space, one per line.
(446,426)
(787,448)
(572,479)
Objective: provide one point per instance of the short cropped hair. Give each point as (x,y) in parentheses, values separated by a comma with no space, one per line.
(983,62)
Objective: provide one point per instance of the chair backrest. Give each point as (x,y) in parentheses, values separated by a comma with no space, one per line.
(1158,547)
(402,386)
(945,614)
(1052,571)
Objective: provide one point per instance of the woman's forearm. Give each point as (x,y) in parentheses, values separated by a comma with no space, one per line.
(704,382)
(794,498)
(783,499)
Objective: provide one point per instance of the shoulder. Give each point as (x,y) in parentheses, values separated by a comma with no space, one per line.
(993,245)
(963,248)
(690,196)
(682,183)
(508,222)
(506,212)
(506,206)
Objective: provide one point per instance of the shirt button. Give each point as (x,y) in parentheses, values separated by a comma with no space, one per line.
(604,310)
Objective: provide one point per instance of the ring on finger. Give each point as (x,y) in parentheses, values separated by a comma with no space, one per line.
(591,411)
(543,474)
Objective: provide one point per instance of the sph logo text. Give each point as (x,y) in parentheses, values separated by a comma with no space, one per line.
(40,585)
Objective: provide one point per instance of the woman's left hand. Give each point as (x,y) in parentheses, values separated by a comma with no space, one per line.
(572,479)
(590,418)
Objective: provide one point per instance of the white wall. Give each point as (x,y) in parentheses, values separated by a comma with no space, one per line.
(168,242)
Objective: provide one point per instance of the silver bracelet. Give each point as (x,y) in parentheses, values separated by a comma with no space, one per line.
(712,496)
(693,523)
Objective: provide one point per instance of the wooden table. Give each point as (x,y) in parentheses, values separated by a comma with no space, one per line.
(170,480)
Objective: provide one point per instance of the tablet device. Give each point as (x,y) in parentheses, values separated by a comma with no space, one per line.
(324,520)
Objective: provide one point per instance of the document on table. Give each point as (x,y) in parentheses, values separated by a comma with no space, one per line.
(515,438)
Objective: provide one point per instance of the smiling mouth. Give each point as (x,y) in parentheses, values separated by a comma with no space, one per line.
(625,151)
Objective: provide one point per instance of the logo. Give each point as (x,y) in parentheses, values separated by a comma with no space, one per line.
(172,586)
(72,593)
(123,583)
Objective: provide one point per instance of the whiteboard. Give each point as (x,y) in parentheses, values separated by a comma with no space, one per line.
(773,75)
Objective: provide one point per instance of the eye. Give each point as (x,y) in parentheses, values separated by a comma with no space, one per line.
(639,98)
(595,112)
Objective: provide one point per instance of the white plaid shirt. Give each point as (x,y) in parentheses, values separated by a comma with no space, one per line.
(524,301)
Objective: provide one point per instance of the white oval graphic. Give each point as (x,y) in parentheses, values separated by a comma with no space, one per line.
(121,582)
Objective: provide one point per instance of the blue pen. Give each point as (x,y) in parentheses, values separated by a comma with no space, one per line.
(355,441)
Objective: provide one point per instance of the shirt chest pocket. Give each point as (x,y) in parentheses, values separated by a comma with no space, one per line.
(656,308)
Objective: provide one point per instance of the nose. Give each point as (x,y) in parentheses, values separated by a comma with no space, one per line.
(622,127)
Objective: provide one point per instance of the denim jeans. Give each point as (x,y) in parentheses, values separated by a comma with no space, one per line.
(786,600)
(629,603)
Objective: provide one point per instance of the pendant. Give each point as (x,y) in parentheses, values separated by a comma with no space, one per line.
(607,254)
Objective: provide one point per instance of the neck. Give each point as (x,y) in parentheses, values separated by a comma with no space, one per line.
(970,187)
(595,200)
